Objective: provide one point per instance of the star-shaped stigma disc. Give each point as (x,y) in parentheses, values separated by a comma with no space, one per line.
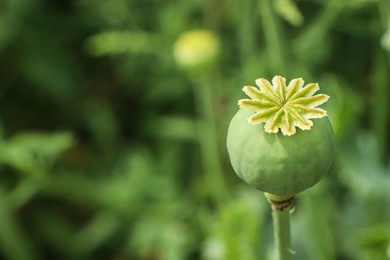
(283,107)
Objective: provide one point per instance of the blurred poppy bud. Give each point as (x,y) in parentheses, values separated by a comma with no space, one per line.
(197,50)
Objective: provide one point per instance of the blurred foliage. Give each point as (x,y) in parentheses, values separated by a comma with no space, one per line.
(108,150)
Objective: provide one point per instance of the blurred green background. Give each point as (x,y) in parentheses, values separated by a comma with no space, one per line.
(110,150)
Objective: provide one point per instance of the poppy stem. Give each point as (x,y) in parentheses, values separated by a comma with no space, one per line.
(281,208)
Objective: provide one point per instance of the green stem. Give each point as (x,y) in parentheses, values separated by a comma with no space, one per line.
(281,207)
(14,243)
(247,31)
(274,38)
(208,138)
(281,220)
(379,112)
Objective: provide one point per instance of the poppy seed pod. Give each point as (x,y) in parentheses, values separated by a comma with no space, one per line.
(276,157)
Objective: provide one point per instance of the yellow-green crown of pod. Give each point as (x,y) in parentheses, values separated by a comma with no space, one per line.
(272,142)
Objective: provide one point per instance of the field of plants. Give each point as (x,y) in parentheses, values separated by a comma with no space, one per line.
(113,143)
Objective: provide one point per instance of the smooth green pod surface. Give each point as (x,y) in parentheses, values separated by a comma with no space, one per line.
(279,164)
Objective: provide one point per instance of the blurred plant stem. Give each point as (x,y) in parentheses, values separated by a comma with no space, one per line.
(23,193)
(247,31)
(317,32)
(13,241)
(273,37)
(212,11)
(379,113)
(208,139)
